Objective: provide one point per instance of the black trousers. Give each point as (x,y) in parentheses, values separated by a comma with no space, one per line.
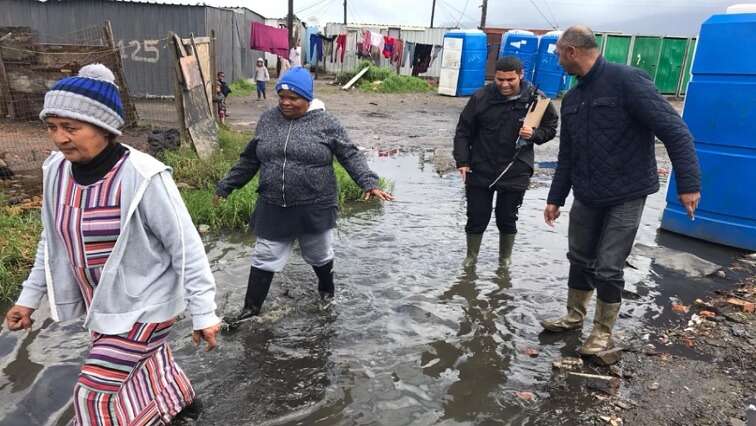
(600,240)
(480,205)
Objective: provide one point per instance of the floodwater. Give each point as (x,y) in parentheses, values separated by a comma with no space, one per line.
(413,338)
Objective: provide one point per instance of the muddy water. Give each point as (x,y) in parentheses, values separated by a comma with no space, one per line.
(412,338)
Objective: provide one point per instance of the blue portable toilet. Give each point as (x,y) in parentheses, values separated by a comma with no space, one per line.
(524,45)
(721,114)
(549,75)
(463,62)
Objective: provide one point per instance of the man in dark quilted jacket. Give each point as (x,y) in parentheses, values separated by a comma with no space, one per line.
(607,158)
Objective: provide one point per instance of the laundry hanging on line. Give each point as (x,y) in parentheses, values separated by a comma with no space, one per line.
(421,59)
(269,39)
(341,46)
(408,54)
(328,47)
(388,46)
(396,57)
(436,51)
(316,48)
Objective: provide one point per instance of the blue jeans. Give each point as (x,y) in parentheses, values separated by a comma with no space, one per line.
(600,240)
(260,89)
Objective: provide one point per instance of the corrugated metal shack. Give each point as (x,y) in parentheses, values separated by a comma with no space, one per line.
(140,30)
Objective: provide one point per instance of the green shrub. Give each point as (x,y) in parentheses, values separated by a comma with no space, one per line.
(20,230)
(197,180)
(242,88)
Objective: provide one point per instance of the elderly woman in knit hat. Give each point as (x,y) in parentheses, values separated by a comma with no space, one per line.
(118,247)
(293,150)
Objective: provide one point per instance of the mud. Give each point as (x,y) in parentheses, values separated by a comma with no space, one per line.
(413,338)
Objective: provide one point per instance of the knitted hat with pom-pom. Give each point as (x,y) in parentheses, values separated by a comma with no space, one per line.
(92,97)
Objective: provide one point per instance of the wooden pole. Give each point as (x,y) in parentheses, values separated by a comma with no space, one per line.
(290,26)
(483,11)
(6,107)
(178,52)
(213,72)
(433,12)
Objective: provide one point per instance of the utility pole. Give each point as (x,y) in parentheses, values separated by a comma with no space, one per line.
(290,25)
(433,12)
(484,9)
(345,10)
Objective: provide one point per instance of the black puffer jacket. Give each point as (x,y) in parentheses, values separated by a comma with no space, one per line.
(295,160)
(486,134)
(606,149)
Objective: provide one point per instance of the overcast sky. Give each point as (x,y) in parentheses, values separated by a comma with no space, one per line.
(660,17)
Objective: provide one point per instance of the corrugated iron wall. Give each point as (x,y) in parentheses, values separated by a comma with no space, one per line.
(141,30)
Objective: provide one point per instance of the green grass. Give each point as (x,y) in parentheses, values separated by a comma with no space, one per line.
(384,80)
(242,88)
(20,230)
(197,180)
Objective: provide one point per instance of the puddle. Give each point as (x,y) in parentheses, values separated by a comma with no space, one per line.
(412,338)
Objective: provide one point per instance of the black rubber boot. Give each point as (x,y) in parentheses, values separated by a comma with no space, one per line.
(191,411)
(325,280)
(257,290)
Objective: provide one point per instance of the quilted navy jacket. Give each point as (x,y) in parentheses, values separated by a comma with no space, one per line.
(606,150)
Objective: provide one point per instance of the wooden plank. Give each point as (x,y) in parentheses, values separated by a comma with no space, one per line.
(130,109)
(355,78)
(8,108)
(203,58)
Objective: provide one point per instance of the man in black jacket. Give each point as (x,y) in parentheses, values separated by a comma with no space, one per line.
(490,135)
(607,157)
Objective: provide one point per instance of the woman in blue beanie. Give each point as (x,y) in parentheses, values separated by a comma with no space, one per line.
(293,149)
(109,252)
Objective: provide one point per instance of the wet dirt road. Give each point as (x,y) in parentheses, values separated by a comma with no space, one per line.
(413,338)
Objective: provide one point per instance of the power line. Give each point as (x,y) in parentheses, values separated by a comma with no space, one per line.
(463,12)
(449,6)
(542,15)
(311,6)
(551,11)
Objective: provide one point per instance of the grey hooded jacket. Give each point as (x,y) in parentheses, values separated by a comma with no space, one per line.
(295,160)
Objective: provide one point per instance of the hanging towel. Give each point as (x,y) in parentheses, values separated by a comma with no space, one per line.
(269,39)
(341,46)
(376,40)
(436,51)
(295,57)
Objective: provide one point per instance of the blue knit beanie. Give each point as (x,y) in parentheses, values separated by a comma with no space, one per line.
(92,97)
(299,81)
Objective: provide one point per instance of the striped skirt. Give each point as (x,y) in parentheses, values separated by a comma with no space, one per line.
(131,379)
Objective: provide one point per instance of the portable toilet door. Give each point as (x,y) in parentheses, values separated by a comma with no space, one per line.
(720,112)
(524,45)
(451,62)
(463,62)
(549,75)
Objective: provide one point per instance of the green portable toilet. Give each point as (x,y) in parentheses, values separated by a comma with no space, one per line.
(688,66)
(646,54)
(671,62)
(572,81)
(617,48)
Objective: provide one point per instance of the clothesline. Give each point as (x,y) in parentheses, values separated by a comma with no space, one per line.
(371,45)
